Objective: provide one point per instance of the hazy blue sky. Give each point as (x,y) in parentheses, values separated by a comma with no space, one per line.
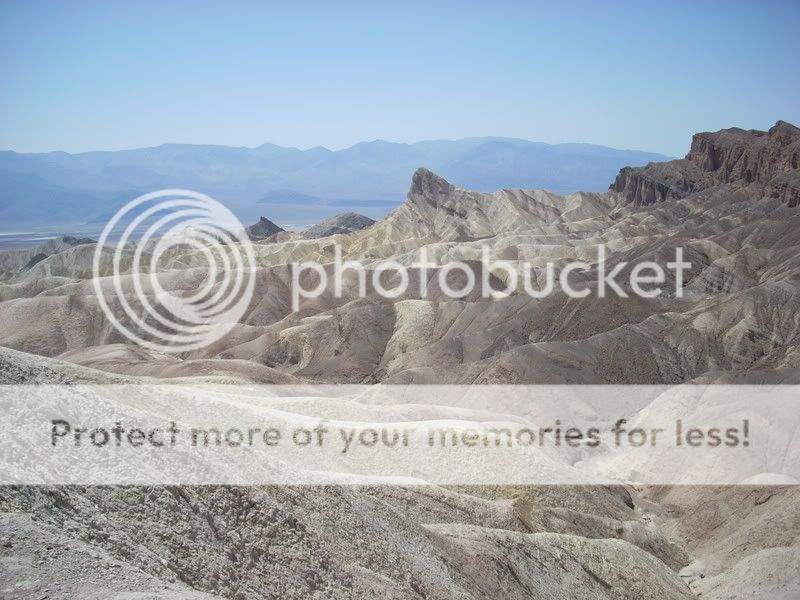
(82,76)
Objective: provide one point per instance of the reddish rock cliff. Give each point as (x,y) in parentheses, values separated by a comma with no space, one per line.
(769,159)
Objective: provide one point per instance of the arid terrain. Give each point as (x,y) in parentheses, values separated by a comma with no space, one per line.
(733,205)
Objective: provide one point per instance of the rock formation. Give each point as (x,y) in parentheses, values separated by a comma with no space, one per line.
(264,228)
(339,224)
(768,159)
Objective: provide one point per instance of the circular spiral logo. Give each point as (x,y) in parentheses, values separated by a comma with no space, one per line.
(166,232)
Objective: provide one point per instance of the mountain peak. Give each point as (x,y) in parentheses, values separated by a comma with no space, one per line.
(263,229)
(427,184)
(784,133)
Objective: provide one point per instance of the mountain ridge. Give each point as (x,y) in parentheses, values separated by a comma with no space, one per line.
(734,156)
(368,178)
(320,148)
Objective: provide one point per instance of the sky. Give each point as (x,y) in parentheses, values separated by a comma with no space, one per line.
(90,75)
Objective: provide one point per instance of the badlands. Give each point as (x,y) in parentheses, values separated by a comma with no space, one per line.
(733,205)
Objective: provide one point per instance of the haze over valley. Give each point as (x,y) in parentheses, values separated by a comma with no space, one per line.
(78,193)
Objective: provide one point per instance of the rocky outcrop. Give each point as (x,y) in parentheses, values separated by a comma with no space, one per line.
(343,223)
(786,187)
(769,159)
(263,229)
(656,182)
(749,156)
(426,184)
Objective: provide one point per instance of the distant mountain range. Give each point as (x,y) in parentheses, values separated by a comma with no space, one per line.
(293,187)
